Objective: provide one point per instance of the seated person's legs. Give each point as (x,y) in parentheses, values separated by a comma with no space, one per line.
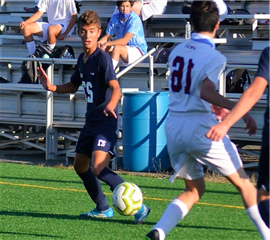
(28,31)
(127,54)
(52,32)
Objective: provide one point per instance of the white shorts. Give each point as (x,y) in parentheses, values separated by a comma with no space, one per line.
(152,7)
(133,54)
(44,27)
(189,148)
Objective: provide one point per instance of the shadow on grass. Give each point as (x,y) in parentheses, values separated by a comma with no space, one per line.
(30,235)
(66,217)
(129,221)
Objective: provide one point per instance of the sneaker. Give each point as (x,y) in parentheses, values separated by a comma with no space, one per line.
(152,235)
(31,10)
(142,214)
(95,213)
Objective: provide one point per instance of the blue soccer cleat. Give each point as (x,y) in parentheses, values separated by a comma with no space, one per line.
(142,214)
(152,235)
(95,213)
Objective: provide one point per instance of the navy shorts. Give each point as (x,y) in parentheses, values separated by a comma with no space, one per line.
(264,163)
(98,138)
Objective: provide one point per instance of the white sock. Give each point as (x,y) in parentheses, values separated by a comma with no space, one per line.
(174,213)
(254,215)
(115,63)
(51,45)
(31,47)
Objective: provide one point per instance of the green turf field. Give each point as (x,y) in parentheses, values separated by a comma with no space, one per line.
(44,203)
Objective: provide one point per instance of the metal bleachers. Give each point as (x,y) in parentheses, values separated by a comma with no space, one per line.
(67,113)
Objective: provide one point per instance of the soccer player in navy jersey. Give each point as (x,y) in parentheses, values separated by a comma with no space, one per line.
(248,99)
(195,67)
(95,145)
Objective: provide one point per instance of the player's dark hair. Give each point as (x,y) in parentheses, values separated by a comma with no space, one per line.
(118,3)
(89,17)
(204,16)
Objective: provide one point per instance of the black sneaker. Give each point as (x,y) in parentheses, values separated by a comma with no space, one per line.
(152,235)
(31,10)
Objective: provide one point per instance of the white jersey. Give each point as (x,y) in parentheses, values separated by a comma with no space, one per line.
(58,11)
(153,7)
(222,8)
(190,63)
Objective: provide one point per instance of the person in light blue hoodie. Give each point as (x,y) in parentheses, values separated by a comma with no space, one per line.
(129,43)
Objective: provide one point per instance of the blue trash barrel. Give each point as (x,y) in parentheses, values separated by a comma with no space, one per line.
(144,140)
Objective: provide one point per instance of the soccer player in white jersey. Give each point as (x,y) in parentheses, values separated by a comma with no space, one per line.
(195,68)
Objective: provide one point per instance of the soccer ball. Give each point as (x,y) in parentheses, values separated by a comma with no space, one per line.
(127,198)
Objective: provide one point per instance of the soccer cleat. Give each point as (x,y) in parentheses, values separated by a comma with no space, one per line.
(142,214)
(95,213)
(152,235)
(31,10)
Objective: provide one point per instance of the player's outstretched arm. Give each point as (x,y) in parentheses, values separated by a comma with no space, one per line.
(45,82)
(116,94)
(248,99)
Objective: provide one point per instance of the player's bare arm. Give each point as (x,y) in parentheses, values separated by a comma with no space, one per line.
(45,82)
(220,112)
(116,94)
(248,99)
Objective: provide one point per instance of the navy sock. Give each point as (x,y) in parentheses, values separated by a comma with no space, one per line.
(110,178)
(92,186)
(264,211)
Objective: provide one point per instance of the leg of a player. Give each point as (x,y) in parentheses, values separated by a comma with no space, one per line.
(99,167)
(249,197)
(179,207)
(263,183)
(90,181)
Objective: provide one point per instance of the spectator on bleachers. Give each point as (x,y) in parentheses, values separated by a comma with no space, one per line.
(32,10)
(147,8)
(62,15)
(129,44)
(222,8)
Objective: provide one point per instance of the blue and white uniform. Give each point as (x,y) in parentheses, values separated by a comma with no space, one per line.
(263,170)
(190,117)
(99,131)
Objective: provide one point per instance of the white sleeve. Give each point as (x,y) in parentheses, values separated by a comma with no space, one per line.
(215,68)
(222,7)
(42,5)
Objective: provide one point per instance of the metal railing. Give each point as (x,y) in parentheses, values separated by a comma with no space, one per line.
(34,88)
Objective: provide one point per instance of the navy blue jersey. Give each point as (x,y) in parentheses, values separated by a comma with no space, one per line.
(94,75)
(264,69)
